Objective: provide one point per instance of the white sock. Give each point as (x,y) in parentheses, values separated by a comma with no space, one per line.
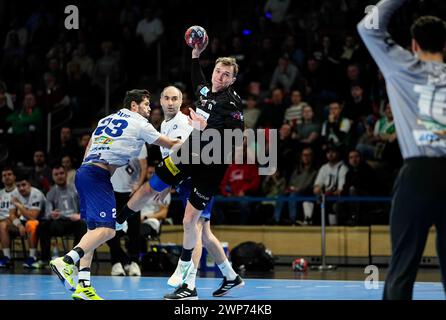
(32,252)
(74,255)
(190,281)
(227,270)
(7,252)
(84,277)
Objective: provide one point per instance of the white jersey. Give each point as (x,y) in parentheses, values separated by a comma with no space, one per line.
(176,128)
(119,137)
(35,201)
(125,177)
(5,202)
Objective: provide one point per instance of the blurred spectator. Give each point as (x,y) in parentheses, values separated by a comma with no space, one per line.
(374,141)
(5,111)
(357,108)
(361,180)
(25,129)
(276,10)
(67,145)
(300,184)
(78,89)
(150,28)
(53,97)
(251,112)
(20,31)
(29,210)
(241,180)
(40,175)
(62,214)
(156,118)
(273,186)
(330,180)
(307,132)
(67,164)
(284,75)
(273,111)
(85,62)
(107,66)
(286,150)
(349,49)
(293,114)
(336,129)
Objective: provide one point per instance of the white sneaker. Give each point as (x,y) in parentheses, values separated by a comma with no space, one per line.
(133,269)
(175,278)
(117,270)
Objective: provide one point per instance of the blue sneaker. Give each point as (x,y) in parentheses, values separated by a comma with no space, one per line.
(5,262)
(32,263)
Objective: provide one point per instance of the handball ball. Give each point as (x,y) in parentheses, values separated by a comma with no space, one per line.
(195,35)
(300,265)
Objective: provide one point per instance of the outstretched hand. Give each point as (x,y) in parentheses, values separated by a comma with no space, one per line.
(196,121)
(199,48)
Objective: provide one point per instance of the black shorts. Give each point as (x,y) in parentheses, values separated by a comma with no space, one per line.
(205,179)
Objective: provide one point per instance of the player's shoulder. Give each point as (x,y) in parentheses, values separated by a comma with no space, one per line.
(233,97)
(37,193)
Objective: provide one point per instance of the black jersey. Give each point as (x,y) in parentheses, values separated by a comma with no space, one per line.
(223,109)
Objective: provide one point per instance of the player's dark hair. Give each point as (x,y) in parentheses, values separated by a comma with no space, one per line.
(430,33)
(136,95)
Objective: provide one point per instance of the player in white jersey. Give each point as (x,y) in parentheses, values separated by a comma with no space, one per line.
(29,209)
(6,210)
(125,181)
(176,125)
(118,138)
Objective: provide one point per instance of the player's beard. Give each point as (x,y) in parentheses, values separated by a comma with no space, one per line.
(145,114)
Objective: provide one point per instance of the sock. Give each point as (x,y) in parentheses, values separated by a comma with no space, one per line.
(186,254)
(124,214)
(32,252)
(7,252)
(73,256)
(84,277)
(227,271)
(190,281)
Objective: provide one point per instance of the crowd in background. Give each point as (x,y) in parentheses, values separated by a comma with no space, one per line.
(303,71)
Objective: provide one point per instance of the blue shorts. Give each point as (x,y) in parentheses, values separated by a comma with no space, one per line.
(184,189)
(97,200)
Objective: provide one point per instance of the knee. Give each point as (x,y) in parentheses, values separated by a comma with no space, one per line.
(110,233)
(31,226)
(188,223)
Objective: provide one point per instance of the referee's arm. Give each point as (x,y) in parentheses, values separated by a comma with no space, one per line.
(389,56)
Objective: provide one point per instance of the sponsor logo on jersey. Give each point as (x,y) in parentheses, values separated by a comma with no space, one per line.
(237,115)
(204,91)
(103,140)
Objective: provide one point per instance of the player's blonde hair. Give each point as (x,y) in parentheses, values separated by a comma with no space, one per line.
(229,61)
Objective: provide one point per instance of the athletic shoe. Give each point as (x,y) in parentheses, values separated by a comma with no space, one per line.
(5,262)
(226,285)
(182,293)
(65,272)
(117,269)
(31,263)
(133,269)
(175,278)
(87,293)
